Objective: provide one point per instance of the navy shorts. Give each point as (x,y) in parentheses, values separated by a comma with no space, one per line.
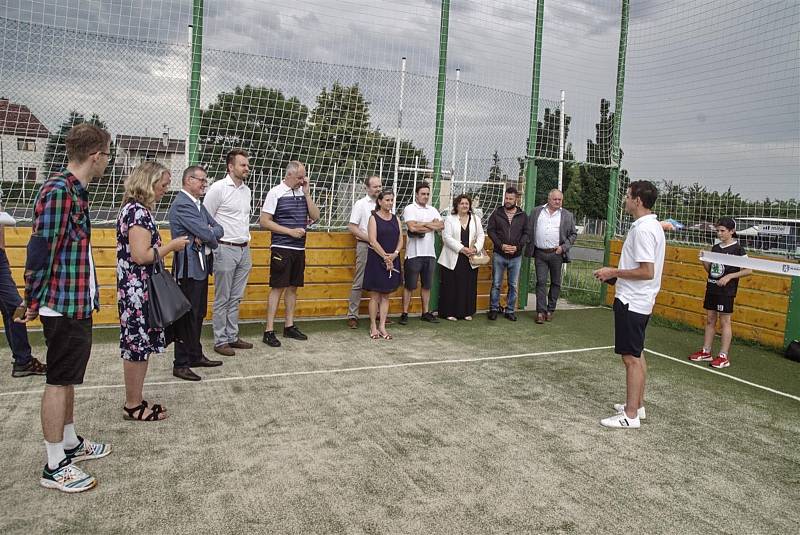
(419,267)
(629,330)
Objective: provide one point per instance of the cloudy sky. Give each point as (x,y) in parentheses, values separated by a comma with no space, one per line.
(712,90)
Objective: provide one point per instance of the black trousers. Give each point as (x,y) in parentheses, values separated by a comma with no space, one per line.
(547,264)
(191,350)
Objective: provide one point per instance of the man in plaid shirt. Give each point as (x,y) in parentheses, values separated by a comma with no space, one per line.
(61,288)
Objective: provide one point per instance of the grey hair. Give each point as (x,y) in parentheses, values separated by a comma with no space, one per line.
(293,166)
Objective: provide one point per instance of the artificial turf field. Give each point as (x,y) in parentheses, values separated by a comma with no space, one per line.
(426,433)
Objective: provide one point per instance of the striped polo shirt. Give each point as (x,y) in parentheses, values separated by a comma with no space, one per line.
(289,209)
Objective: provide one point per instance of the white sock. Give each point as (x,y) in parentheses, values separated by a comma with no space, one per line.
(707,350)
(71,439)
(723,355)
(55,454)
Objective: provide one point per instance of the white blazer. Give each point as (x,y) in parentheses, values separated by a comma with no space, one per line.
(451,239)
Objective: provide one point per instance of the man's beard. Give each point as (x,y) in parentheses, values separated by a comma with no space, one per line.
(510,206)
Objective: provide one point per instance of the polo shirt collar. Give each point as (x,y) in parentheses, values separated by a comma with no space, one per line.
(229,180)
(642,219)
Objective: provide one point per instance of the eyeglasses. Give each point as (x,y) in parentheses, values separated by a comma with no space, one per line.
(204,180)
(106,154)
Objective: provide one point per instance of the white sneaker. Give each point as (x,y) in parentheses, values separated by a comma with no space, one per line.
(620,407)
(621,421)
(67,478)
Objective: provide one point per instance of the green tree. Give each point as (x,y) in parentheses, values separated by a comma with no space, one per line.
(260,120)
(547,143)
(55,154)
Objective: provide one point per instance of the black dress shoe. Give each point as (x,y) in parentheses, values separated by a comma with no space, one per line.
(186,374)
(270,339)
(205,363)
(511,316)
(294,332)
(492,315)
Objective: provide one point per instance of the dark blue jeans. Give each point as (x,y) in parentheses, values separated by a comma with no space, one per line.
(16,333)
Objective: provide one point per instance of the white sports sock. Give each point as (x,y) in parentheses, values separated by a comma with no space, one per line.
(706,350)
(55,454)
(723,355)
(71,439)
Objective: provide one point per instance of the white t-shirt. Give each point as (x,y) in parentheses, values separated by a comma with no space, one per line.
(362,210)
(424,246)
(548,228)
(645,243)
(229,205)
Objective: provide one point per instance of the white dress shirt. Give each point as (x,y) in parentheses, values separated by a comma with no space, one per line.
(362,210)
(229,205)
(547,229)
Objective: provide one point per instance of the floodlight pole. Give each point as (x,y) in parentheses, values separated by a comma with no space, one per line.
(439,135)
(530,167)
(196,60)
(613,185)
(397,137)
(561,126)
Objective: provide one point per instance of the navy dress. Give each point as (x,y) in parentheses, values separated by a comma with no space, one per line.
(376,278)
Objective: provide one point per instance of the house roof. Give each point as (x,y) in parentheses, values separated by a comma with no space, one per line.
(150,145)
(17,120)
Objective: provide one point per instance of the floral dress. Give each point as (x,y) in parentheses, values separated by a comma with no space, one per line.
(136,338)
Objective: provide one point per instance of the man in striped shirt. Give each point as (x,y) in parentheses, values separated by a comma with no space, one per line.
(288,209)
(61,288)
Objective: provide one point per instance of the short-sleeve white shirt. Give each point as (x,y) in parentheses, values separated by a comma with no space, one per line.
(362,210)
(645,242)
(424,246)
(229,205)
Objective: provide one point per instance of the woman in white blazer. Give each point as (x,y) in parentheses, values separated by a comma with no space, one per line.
(462,238)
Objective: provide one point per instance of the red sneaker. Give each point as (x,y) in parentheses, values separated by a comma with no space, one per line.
(720,362)
(698,356)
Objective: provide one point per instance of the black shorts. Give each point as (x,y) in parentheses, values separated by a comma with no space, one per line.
(629,329)
(420,266)
(69,344)
(719,303)
(286,267)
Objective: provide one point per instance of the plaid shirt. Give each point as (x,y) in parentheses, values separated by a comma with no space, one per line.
(57,268)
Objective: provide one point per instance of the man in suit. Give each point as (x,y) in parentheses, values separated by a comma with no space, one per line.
(188,217)
(552,232)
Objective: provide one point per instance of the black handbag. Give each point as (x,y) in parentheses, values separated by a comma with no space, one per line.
(166,303)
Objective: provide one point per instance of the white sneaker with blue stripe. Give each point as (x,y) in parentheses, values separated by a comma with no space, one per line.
(67,478)
(86,450)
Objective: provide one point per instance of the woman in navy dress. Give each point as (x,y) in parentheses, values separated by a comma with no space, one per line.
(382,272)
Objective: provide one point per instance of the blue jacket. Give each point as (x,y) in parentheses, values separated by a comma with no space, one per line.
(186,220)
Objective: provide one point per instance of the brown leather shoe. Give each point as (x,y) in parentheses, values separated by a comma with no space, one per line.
(549,316)
(352,323)
(224,349)
(539,318)
(241,344)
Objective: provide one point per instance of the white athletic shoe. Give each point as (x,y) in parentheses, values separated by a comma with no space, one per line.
(620,407)
(621,421)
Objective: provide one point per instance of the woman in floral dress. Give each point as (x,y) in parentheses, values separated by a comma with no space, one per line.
(137,236)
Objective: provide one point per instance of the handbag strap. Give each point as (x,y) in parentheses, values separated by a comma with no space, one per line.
(158,263)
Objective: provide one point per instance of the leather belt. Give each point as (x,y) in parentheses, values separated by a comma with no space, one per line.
(232,244)
(552,250)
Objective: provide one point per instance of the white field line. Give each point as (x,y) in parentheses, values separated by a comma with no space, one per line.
(715,372)
(325,371)
(409,365)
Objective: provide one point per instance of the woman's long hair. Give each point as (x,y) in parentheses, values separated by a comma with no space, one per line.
(458,200)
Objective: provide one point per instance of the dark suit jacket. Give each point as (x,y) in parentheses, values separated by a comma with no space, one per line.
(186,220)
(567,233)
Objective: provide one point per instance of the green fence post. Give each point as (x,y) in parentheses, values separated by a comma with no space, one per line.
(792,331)
(613,203)
(530,168)
(194,82)
(439,135)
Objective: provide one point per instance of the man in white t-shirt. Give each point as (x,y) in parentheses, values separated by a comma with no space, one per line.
(638,280)
(422,220)
(359,218)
